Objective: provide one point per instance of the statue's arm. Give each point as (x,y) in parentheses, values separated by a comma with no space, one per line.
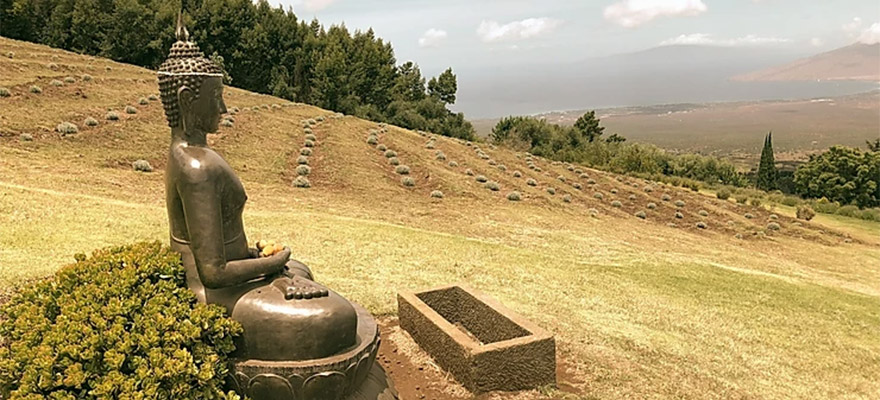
(202,210)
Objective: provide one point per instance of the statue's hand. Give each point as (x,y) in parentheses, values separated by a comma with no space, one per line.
(280,258)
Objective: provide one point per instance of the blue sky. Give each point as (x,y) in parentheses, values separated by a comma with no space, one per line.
(479,34)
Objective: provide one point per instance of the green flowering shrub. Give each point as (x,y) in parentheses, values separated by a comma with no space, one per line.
(121,324)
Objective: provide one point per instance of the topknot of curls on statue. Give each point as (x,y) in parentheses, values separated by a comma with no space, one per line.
(186,66)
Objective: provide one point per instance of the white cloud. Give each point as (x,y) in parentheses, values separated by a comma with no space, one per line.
(432,38)
(632,13)
(871,35)
(817,42)
(492,31)
(853,27)
(314,5)
(708,40)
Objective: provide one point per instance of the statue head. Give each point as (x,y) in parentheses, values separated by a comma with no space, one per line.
(191,86)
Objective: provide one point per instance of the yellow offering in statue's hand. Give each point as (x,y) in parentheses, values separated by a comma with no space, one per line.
(268,248)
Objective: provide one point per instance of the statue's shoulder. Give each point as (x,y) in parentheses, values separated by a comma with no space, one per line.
(195,164)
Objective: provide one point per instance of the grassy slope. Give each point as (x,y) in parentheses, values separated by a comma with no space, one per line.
(640,309)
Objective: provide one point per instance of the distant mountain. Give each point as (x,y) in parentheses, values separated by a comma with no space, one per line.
(857,62)
(661,75)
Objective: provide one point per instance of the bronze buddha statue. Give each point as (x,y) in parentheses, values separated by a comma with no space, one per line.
(301,340)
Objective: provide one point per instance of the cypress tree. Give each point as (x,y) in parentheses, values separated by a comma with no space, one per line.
(767,166)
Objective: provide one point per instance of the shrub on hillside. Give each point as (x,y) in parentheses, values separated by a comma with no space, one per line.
(551,190)
(310,136)
(402,170)
(130,110)
(773,217)
(616,204)
(35,89)
(112,116)
(302,182)
(514,196)
(302,160)
(613,191)
(119,324)
(566,198)
(531,182)
(69,79)
(4,92)
(701,225)
(142,166)
(805,212)
(773,226)
(641,214)
(394,161)
(382,148)
(594,213)
(67,128)
(481,179)
(91,121)
(227,123)
(309,143)
(742,199)
(679,215)
(305,151)
(440,155)
(632,197)
(303,170)
(849,211)
(665,197)
(749,216)
(652,206)
(372,140)
(469,172)
(390,154)
(703,213)
(723,194)
(493,186)
(577,186)
(755,201)
(407,181)
(56,82)
(437,194)
(679,203)
(598,195)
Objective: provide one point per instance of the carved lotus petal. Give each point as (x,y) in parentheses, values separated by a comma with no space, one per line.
(325,386)
(296,382)
(240,382)
(270,387)
(363,368)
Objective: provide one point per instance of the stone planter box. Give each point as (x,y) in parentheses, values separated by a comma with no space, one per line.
(485,345)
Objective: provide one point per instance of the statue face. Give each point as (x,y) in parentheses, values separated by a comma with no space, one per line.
(207,109)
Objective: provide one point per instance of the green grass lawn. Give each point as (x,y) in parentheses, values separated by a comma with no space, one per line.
(631,324)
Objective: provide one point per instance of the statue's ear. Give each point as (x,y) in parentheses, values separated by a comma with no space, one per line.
(185,98)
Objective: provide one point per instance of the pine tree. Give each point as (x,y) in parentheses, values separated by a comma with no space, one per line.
(767,167)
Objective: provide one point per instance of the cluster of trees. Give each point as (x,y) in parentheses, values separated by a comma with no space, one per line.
(584,143)
(263,49)
(844,175)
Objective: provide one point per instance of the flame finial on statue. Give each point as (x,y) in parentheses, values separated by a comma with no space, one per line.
(181,33)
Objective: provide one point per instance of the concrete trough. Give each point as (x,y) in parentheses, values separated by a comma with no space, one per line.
(485,345)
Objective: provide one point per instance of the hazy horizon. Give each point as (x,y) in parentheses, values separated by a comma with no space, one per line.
(494,46)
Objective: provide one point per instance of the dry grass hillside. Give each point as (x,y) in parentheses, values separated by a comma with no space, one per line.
(652,307)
